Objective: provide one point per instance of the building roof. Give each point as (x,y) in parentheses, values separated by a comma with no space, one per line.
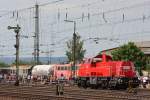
(21,66)
(144,46)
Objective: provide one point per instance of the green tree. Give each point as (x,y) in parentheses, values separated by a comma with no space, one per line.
(2,64)
(130,52)
(79,51)
(21,62)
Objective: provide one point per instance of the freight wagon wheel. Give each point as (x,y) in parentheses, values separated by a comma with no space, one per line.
(79,84)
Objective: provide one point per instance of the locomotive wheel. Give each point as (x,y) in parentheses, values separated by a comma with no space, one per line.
(88,83)
(94,86)
(110,86)
(91,86)
(83,84)
(104,85)
(124,86)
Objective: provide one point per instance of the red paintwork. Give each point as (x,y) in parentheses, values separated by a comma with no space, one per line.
(67,73)
(105,67)
(62,69)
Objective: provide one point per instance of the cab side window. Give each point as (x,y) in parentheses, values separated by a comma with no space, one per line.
(58,68)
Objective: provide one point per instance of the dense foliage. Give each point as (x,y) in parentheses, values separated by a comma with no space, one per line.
(2,64)
(79,51)
(21,62)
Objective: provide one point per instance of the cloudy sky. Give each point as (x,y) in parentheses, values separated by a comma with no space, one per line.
(102,24)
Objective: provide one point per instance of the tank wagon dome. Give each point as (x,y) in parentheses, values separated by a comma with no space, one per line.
(42,69)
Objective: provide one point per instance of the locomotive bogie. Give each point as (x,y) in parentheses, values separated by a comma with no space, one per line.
(107,82)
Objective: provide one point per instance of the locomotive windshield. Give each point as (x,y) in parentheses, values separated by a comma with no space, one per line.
(97,59)
(126,68)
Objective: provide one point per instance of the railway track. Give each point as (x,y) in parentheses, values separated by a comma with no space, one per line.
(40,92)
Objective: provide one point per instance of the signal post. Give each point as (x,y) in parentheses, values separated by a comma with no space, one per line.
(16,30)
(74,47)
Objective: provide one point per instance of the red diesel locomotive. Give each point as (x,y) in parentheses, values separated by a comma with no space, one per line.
(101,71)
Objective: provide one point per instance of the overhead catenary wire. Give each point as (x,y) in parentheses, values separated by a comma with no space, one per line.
(123,15)
(28,8)
(52,2)
(108,23)
(83,5)
(111,11)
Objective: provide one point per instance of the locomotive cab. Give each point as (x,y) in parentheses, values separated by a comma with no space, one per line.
(94,61)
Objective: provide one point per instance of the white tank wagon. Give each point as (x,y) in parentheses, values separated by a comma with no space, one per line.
(40,70)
